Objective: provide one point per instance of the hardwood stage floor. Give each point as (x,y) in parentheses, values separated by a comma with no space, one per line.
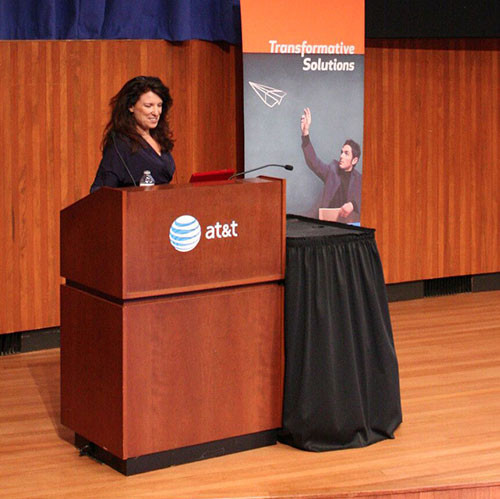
(447,447)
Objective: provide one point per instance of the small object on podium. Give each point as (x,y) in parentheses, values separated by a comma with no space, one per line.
(211,176)
(147,179)
(329,214)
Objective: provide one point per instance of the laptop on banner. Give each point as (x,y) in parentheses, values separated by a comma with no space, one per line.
(211,176)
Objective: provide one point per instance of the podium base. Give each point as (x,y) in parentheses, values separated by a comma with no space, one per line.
(164,459)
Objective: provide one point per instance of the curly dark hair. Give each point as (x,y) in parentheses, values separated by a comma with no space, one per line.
(123,122)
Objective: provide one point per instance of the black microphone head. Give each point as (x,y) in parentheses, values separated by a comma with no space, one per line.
(288,167)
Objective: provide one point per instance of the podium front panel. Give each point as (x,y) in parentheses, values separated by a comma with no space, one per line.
(134,242)
(241,237)
(202,367)
(165,373)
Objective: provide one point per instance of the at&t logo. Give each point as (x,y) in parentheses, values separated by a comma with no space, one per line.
(185,232)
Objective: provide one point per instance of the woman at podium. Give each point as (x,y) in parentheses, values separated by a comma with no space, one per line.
(137,137)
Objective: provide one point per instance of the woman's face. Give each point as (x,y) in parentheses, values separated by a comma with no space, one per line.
(147,111)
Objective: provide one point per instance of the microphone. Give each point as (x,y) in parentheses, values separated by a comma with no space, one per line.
(286,167)
(112,133)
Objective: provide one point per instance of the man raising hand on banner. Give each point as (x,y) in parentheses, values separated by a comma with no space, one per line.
(342,183)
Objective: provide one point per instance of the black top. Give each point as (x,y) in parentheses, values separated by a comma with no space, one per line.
(112,171)
(341,195)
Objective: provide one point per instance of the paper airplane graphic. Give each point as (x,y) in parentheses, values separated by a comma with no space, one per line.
(268,95)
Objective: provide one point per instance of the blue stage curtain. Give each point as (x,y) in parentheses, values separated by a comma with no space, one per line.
(174,20)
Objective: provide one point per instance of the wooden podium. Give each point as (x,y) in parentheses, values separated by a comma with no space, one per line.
(172,356)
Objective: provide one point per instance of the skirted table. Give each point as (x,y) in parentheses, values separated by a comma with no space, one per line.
(341,370)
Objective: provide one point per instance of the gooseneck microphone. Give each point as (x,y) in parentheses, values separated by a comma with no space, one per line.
(121,158)
(286,167)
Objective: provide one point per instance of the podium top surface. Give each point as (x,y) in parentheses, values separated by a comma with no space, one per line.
(139,242)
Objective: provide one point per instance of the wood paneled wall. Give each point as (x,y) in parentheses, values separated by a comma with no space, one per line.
(53,107)
(430,159)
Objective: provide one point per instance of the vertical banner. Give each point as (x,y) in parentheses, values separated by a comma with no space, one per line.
(303,70)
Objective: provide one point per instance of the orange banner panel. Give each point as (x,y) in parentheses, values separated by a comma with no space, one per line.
(293,22)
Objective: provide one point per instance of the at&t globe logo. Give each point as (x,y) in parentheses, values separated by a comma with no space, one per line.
(185,233)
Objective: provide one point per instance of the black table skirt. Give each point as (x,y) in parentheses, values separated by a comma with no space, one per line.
(341,371)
